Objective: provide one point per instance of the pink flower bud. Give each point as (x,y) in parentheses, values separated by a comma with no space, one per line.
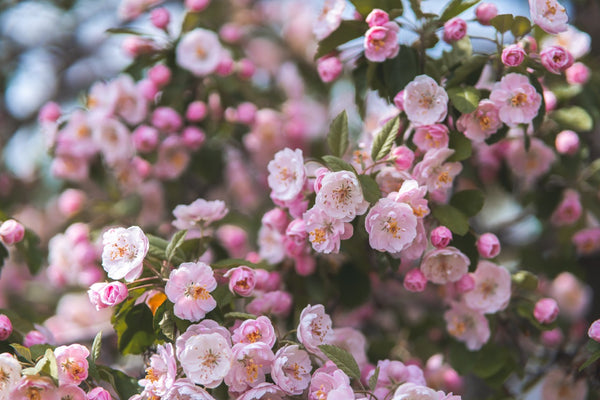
(230,33)
(160,17)
(267,281)
(485,12)
(556,59)
(305,264)
(160,74)
(594,331)
(415,280)
(50,112)
(230,114)
(377,17)
(246,112)
(242,280)
(567,142)
(103,295)
(513,55)
(399,100)
(193,137)
(196,111)
(11,232)
(5,327)
(403,157)
(196,5)
(455,29)
(552,338)
(546,310)
(98,393)
(166,119)
(550,100)
(245,68)
(142,167)
(465,284)
(234,239)
(148,89)
(441,237)
(488,245)
(577,74)
(135,46)
(276,219)
(34,337)
(225,66)
(145,138)
(71,201)
(452,380)
(329,68)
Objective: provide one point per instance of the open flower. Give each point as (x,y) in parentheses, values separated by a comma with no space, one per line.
(189,287)
(10,370)
(250,363)
(549,15)
(124,252)
(161,373)
(425,102)
(72,363)
(341,196)
(206,359)
(199,51)
(291,369)
(467,325)
(481,123)
(286,174)
(445,265)
(314,328)
(516,99)
(391,225)
(381,42)
(325,232)
(492,288)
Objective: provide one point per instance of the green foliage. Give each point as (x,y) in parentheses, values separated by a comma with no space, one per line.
(462,146)
(124,385)
(96,346)
(502,22)
(383,142)
(46,366)
(574,118)
(134,327)
(518,26)
(464,99)
(30,252)
(384,77)
(393,7)
(353,285)
(594,348)
(370,188)
(456,7)
(373,379)
(525,280)
(337,140)
(347,31)
(3,254)
(470,202)
(239,315)
(342,359)
(452,218)
(174,245)
(337,164)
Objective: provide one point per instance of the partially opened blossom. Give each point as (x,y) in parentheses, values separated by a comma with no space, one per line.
(199,51)
(242,280)
(516,99)
(454,29)
(467,325)
(492,288)
(556,59)
(341,196)
(441,237)
(425,102)
(488,245)
(255,330)
(104,294)
(124,252)
(286,174)
(529,165)
(162,371)
(72,363)
(381,42)
(325,232)
(334,385)
(11,232)
(206,359)
(549,15)
(513,55)
(250,363)
(314,328)
(576,42)
(545,310)
(434,172)
(199,214)
(329,68)
(189,287)
(587,241)
(485,12)
(291,369)
(568,210)
(594,330)
(391,225)
(428,137)
(392,373)
(445,265)
(567,142)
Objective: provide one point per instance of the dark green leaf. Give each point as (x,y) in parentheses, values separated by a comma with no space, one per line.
(464,99)
(461,145)
(471,67)
(164,323)
(239,315)
(29,250)
(22,351)
(502,22)
(176,242)
(393,81)
(520,26)
(157,246)
(594,348)
(96,345)
(457,7)
(370,188)
(359,77)
(469,202)
(364,7)
(574,118)
(229,263)
(373,379)
(348,30)
(125,385)
(337,164)
(38,350)
(383,142)
(353,285)
(452,218)
(191,21)
(338,135)
(525,280)
(125,31)
(342,359)
(134,328)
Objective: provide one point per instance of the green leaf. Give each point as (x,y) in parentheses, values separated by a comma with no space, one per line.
(593,358)
(348,30)
(457,7)
(462,146)
(229,263)
(502,22)
(164,322)
(373,379)
(191,21)
(22,351)
(467,69)
(452,218)
(470,202)
(134,327)
(364,7)
(124,385)
(337,164)
(176,242)
(125,31)
(393,82)
(239,315)
(520,26)
(383,142)
(342,359)
(415,5)
(525,280)
(464,99)
(359,78)
(157,246)
(96,345)
(370,188)
(337,140)
(38,350)
(574,118)
(29,250)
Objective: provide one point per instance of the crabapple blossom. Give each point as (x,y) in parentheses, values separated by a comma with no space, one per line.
(189,287)
(556,59)
(70,392)
(481,123)
(488,245)
(199,214)
(286,174)
(516,99)
(255,330)
(124,252)
(291,369)
(11,232)
(162,371)
(552,337)
(196,111)
(71,201)
(377,17)
(72,363)
(40,386)
(410,391)
(569,210)
(567,142)
(436,174)
(353,341)
(549,15)
(341,196)
(454,30)
(99,393)
(415,280)
(467,325)
(270,243)
(199,51)
(329,68)
(425,102)
(325,232)
(334,385)
(205,327)
(545,310)
(391,225)
(587,241)
(329,18)
(392,373)
(6,327)
(314,328)
(530,164)
(242,280)
(295,237)
(441,237)
(572,295)
(403,157)
(186,389)
(578,74)
(160,17)
(381,42)
(250,363)
(513,55)
(492,288)
(594,330)
(445,265)
(34,337)
(206,359)
(113,139)
(428,137)
(166,119)
(276,303)
(104,294)
(263,391)
(465,284)
(485,12)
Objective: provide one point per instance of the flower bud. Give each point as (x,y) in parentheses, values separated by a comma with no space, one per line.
(160,17)
(145,138)
(98,393)
(403,157)
(454,30)
(329,68)
(556,59)
(103,295)
(148,89)
(246,112)
(488,245)
(545,311)
(577,74)
(160,74)
(377,17)
(193,137)
(71,201)
(34,337)
(594,331)
(567,142)
(196,111)
(552,338)
(166,119)
(11,232)
(196,5)
(399,100)
(513,55)
(5,327)
(441,237)
(242,280)
(245,68)
(50,112)
(415,280)
(465,284)
(485,12)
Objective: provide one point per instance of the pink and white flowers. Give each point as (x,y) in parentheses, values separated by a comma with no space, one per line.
(516,99)
(72,363)
(445,265)
(250,363)
(255,330)
(161,373)
(291,369)
(324,231)
(549,15)
(286,174)
(104,294)
(425,102)
(341,196)
(329,18)
(199,51)
(381,42)
(189,287)
(206,359)
(314,328)
(556,59)
(492,288)
(199,214)
(481,123)
(391,225)
(124,252)
(467,325)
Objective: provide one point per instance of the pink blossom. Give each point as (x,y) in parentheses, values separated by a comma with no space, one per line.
(324,231)
(436,174)
(393,373)
(409,391)
(263,391)
(166,119)
(250,363)
(353,341)
(567,142)
(488,245)
(513,55)
(334,385)
(545,310)
(381,42)
(246,112)
(549,15)
(391,225)
(492,288)
(245,68)
(425,102)
(199,51)
(270,243)
(377,17)
(40,386)
(295,237)
(104,294)
(587,241)
(124,252)
(568,210)
(594,330)
(206,359)
(341,196)
(160,17)
(415,280)
(578,74)
(186,389)
(428,137)
(193,137)
(11,371)
(465,284)
(552,338)
(286,174)
(71,201)
(329,68)
(205,327)
(255,330)
(516,99)
(529,164)
(445,265)
(573,296)
(277,303)
(196,5)
(242,280)
(329,19)
(403,157)
(113,139)
(305,264)
(199,214)
(11,232)
(98,393)
(6,327)
(556,59)
(161,373)
(559,385)
(34,337)
(291,369)
(314,328)
(189,287)
(234,239)
(196,111)
(467,325)
(441,237)
(576,42)
(454,30)
(72,363)
(414,195)
(481,123)
(485,12)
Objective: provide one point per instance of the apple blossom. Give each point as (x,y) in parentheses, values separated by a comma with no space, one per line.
(467,325)
(291,369)
(545,310)
(549,15)
(492,288)
(445,265)
(481,123)
(199,51)
(72,363)
(189,287)
(391,225)
(314,328)
(250,363)
(513,55)
(516,99)
(206,359)
(10,369)
(286,174)
(556,59)
(485,12)
(6,327)
(124,252)
(425,102)
(255,330)
(454,29)
(381,42)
